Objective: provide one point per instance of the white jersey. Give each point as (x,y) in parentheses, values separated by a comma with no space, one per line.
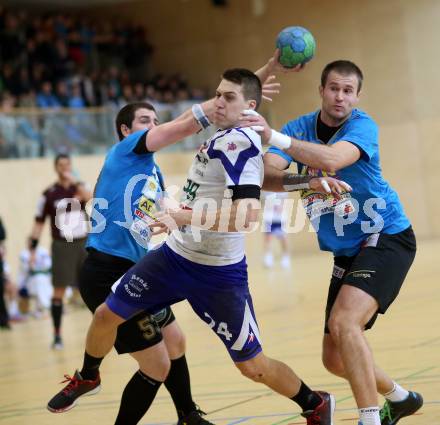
(274,206)
(229,158)
(37,279)
(42,264)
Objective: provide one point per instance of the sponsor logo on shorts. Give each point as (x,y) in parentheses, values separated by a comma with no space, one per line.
(131,293)
(365,274)
(160,315)
(137,283)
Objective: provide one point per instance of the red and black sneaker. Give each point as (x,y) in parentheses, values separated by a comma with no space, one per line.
(323,414)
(76,387)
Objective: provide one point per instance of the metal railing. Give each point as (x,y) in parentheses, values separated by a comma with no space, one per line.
(34,132)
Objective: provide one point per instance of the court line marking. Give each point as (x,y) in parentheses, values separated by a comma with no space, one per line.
(239,418)
(19,412)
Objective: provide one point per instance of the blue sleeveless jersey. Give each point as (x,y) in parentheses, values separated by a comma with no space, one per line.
(372,207)
(127,188)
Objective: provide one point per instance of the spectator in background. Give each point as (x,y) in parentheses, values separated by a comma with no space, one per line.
(8,127)
(23,82)
(4,317)
(76,100)
(127,94)
(27,99)
(11,39)
(63,60)
(139,92)
(62,94)
(46,98)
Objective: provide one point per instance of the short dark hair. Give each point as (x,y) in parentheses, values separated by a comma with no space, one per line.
(248,80)
(126,115)
(343,67)
(59,157)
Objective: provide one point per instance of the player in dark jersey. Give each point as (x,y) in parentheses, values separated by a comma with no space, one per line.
(64,204)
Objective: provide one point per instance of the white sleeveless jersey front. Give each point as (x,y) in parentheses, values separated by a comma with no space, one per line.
(231,157)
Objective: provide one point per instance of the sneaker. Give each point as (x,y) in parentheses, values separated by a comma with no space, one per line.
(285,262)
(194,418)
(393,411)
(76,387)
(57,343)
(268,260)
(323,414)
(5,326)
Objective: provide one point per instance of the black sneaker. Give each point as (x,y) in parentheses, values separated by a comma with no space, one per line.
(393,411)
(5,326)
(76,387)
(323,414)
(57,343)
(194,418)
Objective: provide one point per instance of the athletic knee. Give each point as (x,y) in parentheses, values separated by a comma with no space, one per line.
(158,369)
(332,362)
(175,340)
(103,316)
(253,369)
(342,326)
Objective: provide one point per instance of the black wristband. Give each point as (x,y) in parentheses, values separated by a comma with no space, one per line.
(244,191)
(34,243)
(293,182)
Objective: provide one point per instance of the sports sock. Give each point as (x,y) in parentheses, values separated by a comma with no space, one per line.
(90,369)
(397,393)
(137,397)
(306,398)
(179,386)
(369,416)
(56,310)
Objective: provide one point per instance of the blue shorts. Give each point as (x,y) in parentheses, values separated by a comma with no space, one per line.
(274,228)
(219,295)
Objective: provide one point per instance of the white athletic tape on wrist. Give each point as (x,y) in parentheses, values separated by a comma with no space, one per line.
(280,140)
(325,186)
(200,116)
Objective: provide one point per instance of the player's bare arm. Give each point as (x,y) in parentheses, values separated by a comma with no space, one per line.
(276,179)
(329,158)
(37,229)
(168,133)
(240,216)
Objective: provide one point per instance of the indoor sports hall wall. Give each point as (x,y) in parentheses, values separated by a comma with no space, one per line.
(23,181)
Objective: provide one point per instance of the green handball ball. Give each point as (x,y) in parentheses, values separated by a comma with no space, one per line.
(297,46)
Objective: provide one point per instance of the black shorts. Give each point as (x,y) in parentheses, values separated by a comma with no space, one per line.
(379,270)
(99,272)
